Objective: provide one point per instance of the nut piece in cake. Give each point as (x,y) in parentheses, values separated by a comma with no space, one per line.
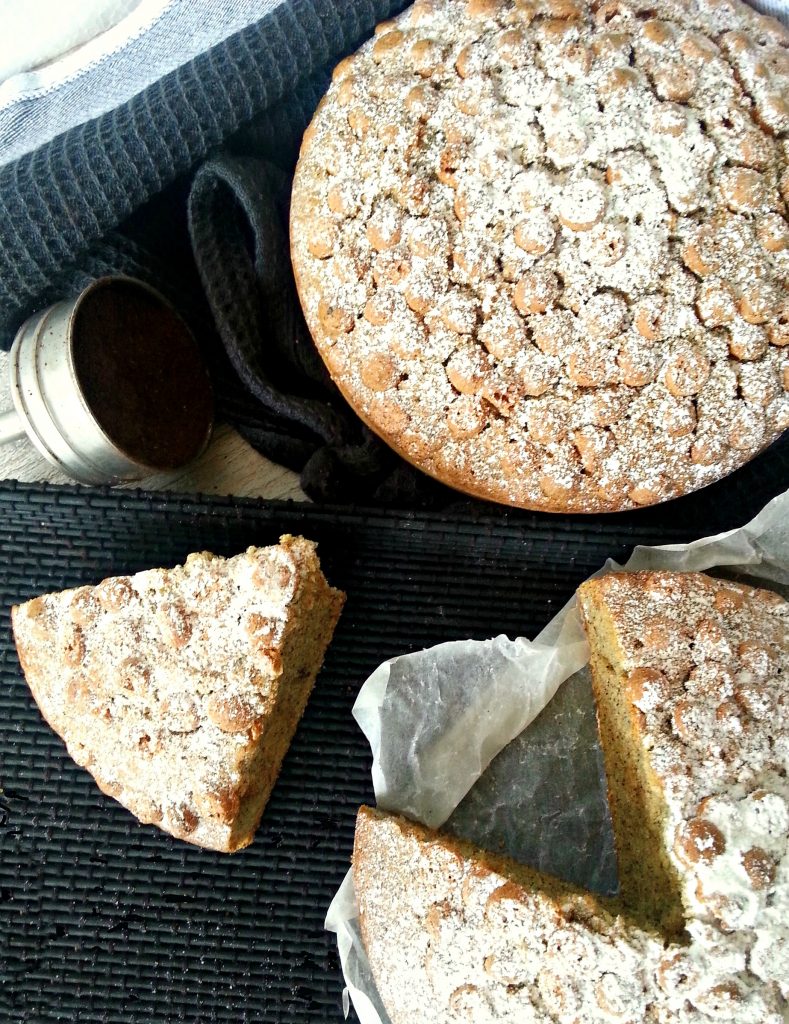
(180,689)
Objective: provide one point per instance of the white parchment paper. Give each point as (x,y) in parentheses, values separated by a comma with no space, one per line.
(481,737)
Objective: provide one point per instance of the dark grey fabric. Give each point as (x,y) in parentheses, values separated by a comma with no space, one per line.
(59,204)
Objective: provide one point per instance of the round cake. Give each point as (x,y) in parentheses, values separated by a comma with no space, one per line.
(689,677)
(542,245)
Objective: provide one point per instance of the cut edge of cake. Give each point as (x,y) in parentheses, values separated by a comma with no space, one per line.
(570,900)
(649,883)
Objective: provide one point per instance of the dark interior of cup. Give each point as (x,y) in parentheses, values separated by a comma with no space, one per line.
(141,373)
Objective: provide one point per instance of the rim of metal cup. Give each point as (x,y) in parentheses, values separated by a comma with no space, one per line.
(31,401)
(113,464)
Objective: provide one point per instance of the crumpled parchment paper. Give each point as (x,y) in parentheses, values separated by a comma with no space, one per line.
(482,738)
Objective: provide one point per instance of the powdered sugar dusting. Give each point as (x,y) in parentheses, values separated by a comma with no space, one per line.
(450,940)
(163,684)
(708,662)
(496,168)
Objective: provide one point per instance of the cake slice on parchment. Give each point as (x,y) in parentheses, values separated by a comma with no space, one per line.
(690,680)
(455,934)
(180,689)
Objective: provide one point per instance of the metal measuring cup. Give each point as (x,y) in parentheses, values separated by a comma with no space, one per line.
(109,386)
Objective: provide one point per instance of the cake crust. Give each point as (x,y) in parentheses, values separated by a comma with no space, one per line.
(180,689)
(541,269)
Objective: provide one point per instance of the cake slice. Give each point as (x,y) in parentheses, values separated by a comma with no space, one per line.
(455,934)
(180,689)
(690,679)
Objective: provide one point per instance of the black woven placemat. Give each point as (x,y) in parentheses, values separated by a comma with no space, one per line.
(104,920)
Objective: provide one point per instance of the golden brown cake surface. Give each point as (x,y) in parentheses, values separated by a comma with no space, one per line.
(542,244)
(454,934)
(180,689)
(700,666)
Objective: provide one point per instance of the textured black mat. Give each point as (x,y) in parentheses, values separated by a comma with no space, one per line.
(104,920)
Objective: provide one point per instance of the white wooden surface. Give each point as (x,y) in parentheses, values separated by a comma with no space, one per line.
(229,466)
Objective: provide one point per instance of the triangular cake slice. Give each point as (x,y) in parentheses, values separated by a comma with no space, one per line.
(455,934)
(180,689)
(690,680)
